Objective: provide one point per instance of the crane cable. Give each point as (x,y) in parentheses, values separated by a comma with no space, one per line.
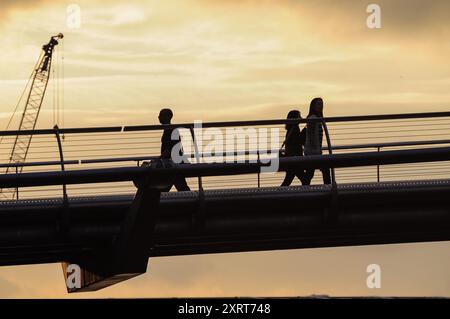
(53,77)
(58,86)
(63,80)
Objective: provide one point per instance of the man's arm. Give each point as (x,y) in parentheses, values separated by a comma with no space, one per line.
(166,144)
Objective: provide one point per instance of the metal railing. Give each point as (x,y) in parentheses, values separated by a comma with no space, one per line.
(119,146)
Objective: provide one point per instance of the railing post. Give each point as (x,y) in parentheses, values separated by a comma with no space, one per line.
(198,219)
(259,172)
(331,214)
(17,188)
(65,217)
(330,149)
(61,156)
(378,168)
(197,158)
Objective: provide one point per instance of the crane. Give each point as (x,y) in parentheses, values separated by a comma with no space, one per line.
(39,81)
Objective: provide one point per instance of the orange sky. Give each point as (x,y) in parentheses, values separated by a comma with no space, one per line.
(229,60)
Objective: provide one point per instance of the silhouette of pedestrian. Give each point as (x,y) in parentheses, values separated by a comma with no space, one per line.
(294,141)
(167,143)
(314,136)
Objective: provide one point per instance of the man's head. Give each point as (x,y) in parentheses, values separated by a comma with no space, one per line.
(165,116)
(293,114)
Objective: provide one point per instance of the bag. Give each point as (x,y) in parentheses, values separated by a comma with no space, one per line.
(143,181)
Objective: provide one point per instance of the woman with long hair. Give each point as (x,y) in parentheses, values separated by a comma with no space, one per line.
(293,143)
(314,136)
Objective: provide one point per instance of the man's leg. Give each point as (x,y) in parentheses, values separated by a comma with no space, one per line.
(326,175)
(181,185)
(288,178)
(301,175)
(309,174)
(179,181)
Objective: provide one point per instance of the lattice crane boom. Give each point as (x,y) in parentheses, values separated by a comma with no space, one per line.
(40,78)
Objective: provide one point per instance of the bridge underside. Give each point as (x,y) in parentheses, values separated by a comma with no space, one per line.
(233,220)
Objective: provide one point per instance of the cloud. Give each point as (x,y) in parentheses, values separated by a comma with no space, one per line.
(407,21)
(229,60)
(116,15)
(11,5)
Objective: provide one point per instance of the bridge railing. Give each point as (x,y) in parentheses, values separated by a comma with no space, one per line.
(109,147)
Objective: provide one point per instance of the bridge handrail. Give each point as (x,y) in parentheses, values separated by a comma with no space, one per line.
(102,175)
(235,153)
(135,128)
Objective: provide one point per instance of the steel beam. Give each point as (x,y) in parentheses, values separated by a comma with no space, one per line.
(264,219)
(220,169)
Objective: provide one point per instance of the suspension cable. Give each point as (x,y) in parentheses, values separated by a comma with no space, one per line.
(62,86)
(54,90)
(57,86)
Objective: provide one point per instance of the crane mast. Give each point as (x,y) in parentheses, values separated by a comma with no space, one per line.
(40,78)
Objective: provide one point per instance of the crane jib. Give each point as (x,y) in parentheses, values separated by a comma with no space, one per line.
(35,97)
(48,51)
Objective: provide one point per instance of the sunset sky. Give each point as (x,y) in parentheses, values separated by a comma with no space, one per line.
(233,60)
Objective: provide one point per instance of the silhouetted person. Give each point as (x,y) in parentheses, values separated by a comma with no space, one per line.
(165,116)
(294,141)
(314,136)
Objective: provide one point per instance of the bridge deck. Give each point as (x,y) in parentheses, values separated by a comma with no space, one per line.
(238,192)
(234,220)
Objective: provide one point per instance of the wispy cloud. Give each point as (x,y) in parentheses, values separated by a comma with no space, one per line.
(228,60)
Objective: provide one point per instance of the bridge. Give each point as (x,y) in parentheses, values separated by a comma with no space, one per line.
(83,196)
